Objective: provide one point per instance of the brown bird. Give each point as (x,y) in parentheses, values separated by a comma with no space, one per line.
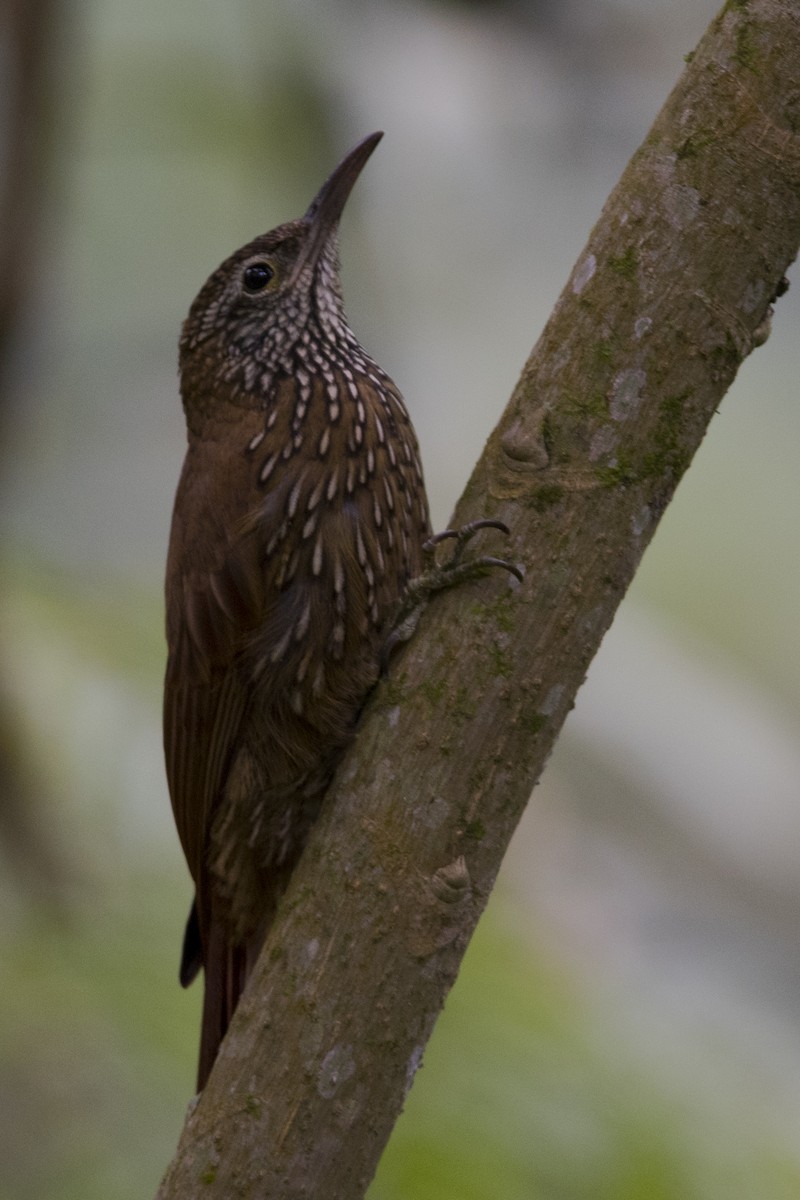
(299,519)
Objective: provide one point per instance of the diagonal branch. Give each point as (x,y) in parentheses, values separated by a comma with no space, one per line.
(670,295)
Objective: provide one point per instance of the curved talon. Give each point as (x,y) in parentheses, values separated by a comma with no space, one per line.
(458,572)
(436,538)
(466,532)
(513,568)
(488,523)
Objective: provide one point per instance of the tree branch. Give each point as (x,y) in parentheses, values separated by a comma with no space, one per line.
(670,295)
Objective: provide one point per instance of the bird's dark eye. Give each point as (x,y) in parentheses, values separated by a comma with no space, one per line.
(257,276)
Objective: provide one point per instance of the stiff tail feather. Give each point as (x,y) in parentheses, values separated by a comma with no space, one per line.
(226,970)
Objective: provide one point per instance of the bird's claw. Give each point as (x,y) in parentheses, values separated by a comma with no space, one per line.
(455,570)
(436,578)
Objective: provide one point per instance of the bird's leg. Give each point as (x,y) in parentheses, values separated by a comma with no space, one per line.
(436,577)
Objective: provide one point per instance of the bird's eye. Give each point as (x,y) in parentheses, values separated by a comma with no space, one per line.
(257,277)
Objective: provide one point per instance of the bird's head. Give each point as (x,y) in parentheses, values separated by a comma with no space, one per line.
(280,290)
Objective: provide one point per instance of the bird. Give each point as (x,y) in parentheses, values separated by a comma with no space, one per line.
(300,519)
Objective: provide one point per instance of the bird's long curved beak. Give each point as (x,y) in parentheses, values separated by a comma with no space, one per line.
(322,215)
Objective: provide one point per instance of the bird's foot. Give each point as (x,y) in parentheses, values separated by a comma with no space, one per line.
(438,576)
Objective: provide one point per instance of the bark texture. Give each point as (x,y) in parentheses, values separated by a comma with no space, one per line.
(671,293)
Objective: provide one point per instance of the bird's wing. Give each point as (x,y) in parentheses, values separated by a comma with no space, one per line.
(205,695)
(228,608)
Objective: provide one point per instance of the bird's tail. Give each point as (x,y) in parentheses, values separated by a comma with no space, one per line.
(226,971)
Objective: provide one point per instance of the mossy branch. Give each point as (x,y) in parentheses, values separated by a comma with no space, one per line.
(671,293)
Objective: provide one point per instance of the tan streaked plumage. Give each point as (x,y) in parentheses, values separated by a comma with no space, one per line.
(299,519)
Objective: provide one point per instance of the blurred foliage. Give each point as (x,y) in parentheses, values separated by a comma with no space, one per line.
(529,1092)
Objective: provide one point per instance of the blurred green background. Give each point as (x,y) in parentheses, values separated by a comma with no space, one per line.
(627,1021)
